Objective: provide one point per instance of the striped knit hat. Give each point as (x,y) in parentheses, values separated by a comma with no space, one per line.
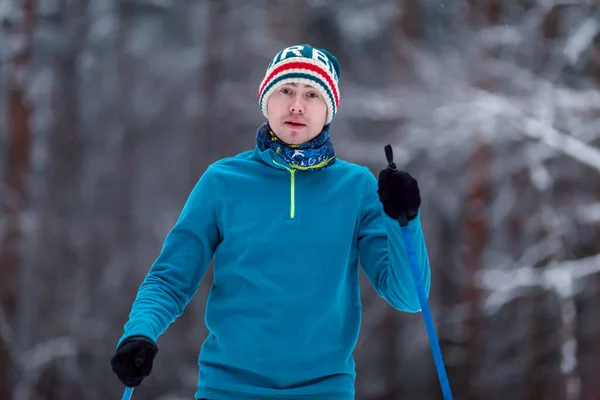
(303,64)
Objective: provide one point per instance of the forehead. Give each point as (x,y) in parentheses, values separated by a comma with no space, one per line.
(296,85)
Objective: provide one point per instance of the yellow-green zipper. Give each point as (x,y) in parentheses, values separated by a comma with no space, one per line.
(292,189)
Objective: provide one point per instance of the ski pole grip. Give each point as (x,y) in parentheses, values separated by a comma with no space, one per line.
(389,154)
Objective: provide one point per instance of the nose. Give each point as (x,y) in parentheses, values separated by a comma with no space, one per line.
(296,106)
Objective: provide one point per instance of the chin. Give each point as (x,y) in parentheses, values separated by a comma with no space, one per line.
(291,140)
(291,137)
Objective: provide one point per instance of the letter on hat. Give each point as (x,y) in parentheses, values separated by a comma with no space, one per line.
(295,50)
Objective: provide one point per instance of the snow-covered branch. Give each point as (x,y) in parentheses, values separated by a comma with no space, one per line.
(581,39)
(589,213)
(43,353)
(569,145)
(495,106)
(38,357)
(503,286)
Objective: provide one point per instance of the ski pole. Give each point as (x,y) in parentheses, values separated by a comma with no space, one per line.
(127,393)
(433,340)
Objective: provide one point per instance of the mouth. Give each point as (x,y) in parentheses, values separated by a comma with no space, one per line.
(294,125)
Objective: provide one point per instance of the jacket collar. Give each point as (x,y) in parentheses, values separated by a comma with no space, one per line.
(270,158)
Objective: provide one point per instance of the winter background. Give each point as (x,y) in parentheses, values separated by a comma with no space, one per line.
(112,109)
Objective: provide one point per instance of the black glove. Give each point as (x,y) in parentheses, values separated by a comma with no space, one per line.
(398,191)
(132,361)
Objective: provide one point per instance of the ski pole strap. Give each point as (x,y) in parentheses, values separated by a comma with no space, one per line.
(127,393)
(433,340)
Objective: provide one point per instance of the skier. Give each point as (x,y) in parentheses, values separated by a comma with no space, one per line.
(286,223)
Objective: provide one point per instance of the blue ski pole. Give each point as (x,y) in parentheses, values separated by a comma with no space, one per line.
(433,340)
(127,393)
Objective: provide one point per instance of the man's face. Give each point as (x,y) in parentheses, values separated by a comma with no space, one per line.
(296,113)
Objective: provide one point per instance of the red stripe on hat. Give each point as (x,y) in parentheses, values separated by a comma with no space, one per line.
(302,65)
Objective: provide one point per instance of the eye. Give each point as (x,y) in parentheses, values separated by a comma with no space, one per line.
(285,91)
(313,95)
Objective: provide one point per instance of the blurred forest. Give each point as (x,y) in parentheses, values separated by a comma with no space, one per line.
(112,109)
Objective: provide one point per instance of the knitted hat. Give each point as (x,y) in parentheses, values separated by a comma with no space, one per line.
(303,64)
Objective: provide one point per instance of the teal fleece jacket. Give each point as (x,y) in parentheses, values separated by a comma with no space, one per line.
(284,310)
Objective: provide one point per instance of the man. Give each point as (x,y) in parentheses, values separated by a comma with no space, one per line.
(286,223)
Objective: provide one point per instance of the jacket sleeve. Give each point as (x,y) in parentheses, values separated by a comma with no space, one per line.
(180,266)
(383,256)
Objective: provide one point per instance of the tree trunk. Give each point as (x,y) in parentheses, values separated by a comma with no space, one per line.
(14,186)
(60,209)
(474,240)
(206,137)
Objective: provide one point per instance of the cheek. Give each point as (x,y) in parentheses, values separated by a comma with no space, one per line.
(274,110)
(320,113)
